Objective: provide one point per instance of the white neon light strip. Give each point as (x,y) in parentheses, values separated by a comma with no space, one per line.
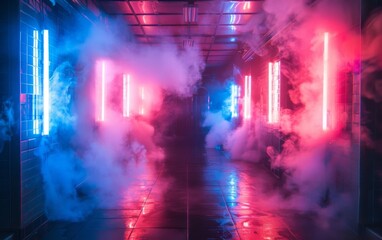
(235,101)
(247,98)
(325,83)
(270,83)
(126,95)
(274,92)
(142,101)
(36,124)
(46,96)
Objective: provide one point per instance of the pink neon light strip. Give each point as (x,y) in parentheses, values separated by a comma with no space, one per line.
(126,95)
(325,83)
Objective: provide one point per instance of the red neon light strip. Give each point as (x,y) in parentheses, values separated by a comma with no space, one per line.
(325,83)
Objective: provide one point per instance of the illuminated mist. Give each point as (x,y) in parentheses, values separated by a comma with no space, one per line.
(86,161)
(317,164)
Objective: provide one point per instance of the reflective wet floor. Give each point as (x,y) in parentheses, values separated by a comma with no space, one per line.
(196,194)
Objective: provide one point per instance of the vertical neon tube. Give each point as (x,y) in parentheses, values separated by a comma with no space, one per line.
(35,63)
(142,111)
(126,95)
(235,113)
(325,83)
(232,99)
(270,83)
(247,97)
(234,96)
(36,124)
(46,96)
(274,92)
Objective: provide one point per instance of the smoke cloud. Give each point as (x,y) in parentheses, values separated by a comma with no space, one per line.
(312,160)
(85,163)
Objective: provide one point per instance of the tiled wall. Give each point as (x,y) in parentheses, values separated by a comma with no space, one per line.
(21,183)
(32,203)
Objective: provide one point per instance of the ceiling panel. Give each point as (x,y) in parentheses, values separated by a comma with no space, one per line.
(148,19)
(209,7)
(137,30)
(226,30)
(202,30)
(223,46)
(202,39)
(242,6)
(141,7)
(161,19)
(208,19)
(131,19)
(116,7)
(231,30)
(142,40)
(215,63)
(166,39)
(235,19)
(226,39)
(204,46)
(221,53)
(169,7)
(165,30)
(218,58)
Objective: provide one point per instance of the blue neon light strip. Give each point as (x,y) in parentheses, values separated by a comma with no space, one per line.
(46,92)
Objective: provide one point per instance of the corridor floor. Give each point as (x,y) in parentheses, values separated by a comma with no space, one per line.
(196,194)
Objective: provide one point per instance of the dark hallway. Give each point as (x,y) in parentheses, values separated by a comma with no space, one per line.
(191,120)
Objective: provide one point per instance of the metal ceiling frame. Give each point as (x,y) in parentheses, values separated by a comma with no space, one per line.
(211,36)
